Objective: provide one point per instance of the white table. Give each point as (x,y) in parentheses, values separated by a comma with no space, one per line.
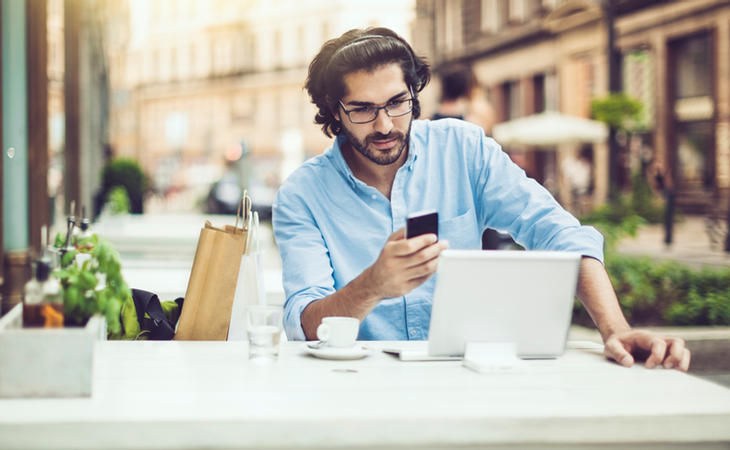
(207,394)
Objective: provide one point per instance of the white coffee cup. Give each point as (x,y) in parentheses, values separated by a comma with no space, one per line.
(340,332)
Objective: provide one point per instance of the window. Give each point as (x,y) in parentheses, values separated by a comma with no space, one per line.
(693,75)
(489,16)
(512,100)
(452,18)
(545,92)
(191,60)
(532,8)
(471,20)
(301,46)
(516,11)
(690,72)
(276,49)
(638,82)
(538,82)
(494,15)
(694,146)
(222,56)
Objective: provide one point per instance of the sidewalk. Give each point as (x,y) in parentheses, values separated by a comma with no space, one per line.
(691,244)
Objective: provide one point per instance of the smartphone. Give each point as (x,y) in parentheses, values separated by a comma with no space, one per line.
(422,222)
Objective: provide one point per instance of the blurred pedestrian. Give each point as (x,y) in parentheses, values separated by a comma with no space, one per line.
(663,183)
(463,98)
(577,172)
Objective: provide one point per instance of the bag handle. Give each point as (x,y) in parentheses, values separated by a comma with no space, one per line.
(146,302)
(244,207)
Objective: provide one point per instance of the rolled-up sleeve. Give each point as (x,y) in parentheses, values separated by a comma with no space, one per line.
(306,266)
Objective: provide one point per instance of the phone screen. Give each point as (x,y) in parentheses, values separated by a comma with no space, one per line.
(423,222)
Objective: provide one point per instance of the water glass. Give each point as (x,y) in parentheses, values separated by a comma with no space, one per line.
(263,325)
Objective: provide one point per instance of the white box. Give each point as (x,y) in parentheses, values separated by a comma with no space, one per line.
(46,362)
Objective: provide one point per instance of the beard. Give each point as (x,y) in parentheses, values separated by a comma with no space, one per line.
(380,157)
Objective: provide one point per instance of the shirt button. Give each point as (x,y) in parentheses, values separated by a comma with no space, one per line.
(374,196)
(414,333)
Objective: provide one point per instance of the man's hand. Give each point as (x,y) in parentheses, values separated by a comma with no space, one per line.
(627,346)
(404,264)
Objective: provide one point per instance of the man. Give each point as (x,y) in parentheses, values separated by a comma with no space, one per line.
(338,219)
(462,98)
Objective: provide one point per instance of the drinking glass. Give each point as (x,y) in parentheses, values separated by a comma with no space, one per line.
(263,325)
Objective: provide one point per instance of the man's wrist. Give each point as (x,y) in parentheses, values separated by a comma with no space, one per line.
(367,286)
(609,330)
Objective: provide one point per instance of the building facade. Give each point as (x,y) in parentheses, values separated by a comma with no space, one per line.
(200,83)
(552,55)
(677,60)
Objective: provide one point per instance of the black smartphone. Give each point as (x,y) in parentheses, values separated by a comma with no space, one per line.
(422,222)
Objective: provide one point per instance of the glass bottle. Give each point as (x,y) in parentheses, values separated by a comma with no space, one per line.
(83,238)
(43,298)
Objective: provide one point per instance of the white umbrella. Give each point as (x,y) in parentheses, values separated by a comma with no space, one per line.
(550,129)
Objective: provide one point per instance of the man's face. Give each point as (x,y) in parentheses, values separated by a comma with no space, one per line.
(383,140)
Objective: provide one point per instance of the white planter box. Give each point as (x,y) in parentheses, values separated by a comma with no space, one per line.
(53,362)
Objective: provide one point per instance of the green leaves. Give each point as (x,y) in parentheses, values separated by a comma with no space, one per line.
(117,201)
(94,287)
(617,110)
(128,174)
(666,293)
(130,323)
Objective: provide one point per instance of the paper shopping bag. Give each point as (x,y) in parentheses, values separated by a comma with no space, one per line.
(250,288)
(206,312)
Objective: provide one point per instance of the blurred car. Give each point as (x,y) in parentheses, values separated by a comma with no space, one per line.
(262,197)
(224,195)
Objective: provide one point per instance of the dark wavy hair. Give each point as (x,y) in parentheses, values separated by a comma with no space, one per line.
(456,81)
(360,49)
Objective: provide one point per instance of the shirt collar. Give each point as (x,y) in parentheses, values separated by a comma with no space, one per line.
(335,155)
(413,150)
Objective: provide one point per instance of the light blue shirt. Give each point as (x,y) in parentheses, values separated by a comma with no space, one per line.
(330,226)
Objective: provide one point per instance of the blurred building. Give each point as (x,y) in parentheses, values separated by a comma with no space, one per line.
(197,84)
(676,59)
(78,128)
(551,55)
(56,105)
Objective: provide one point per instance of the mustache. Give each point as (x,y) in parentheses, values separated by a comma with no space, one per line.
(384,137)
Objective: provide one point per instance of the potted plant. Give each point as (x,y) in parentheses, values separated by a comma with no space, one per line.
(57,362)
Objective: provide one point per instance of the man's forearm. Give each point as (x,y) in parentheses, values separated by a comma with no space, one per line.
(599,298)
(356,299)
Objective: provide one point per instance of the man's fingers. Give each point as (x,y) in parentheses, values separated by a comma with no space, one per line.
(398,234)
(675,353)
(615,350)
(658,351)
(424,268)
(684,364)
(415,282)
(670,353)
(425,255)
(410,246)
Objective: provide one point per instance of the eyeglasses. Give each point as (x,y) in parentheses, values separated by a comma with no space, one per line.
(366,114)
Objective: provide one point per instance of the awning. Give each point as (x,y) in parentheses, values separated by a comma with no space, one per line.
(550,129)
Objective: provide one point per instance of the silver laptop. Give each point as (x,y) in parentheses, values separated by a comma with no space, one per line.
(520,297)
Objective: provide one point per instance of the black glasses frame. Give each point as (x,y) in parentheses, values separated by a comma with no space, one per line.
(377,111)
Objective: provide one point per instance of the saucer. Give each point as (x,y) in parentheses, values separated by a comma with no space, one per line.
(357,351)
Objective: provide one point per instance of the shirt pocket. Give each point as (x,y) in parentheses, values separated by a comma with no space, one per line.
(461,231)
